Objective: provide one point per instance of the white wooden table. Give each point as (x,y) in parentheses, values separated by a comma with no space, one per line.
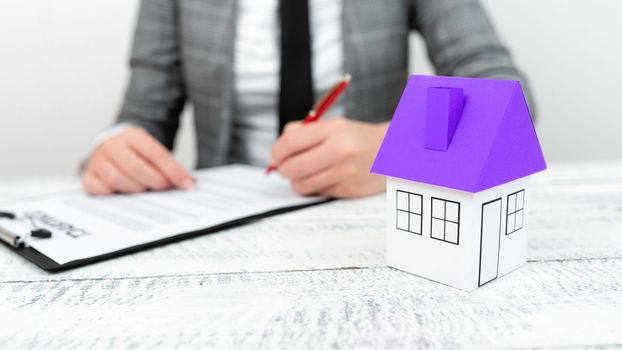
(316,279)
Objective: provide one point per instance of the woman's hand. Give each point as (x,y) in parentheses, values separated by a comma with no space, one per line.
(330,157)
(133,161)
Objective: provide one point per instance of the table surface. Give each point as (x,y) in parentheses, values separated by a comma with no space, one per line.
(316,278)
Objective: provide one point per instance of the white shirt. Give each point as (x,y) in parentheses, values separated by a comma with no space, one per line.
(257,70)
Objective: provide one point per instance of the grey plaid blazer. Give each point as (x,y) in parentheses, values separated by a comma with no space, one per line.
(183,52)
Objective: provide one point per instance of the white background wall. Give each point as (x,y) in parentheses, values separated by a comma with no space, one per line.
(63,71)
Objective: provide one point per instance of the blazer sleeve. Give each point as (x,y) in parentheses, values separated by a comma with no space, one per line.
(155,95)
(461,41)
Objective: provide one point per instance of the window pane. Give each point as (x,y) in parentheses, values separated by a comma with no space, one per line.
(415,223)
(415,203)
(402,220)
(438,208)
(451,232)
(402,200)
(437,228)
(510,224)
(451,210)
(511,203)
(519,220)
(520,200)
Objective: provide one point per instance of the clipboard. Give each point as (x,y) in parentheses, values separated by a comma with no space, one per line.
(70,229)
(49,265)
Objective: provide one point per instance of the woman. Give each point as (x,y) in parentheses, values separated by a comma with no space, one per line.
(252,67)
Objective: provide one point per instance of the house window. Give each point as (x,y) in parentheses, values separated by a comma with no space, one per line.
(409,209)
(515,208)
(445,220)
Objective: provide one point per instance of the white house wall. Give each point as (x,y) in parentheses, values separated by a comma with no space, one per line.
(513,247)
(454,265)
(451,264)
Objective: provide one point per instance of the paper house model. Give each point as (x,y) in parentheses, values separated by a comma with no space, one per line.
(457,157)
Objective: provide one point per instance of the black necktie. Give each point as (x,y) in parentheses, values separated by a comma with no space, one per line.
(296,94)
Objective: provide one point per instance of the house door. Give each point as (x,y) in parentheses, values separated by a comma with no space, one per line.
(490,241)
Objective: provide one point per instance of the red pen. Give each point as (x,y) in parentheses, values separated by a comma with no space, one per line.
(322,106)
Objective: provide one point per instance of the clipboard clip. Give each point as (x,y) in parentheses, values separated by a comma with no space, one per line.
(16,240)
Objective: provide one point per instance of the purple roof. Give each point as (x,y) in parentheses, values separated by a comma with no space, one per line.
(471,135)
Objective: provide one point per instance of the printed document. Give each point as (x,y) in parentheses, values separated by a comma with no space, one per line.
(83,226)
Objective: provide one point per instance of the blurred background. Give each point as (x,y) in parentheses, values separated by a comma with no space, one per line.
(63,70)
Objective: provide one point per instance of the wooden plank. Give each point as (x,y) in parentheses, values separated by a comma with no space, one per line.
(576,213)
(545,304)
(338,234)
(204,292)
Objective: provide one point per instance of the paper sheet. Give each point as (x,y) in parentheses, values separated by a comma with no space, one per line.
(84,226)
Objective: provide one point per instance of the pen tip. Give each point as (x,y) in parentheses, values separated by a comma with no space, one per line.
(347,77)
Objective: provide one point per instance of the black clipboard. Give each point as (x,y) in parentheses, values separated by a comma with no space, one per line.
(52,266)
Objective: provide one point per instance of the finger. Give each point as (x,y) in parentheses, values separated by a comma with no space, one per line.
(137,168)
(94,186)
(317,183)
(114,178)
(353,188)
(308,162)
(299,138)
(338,190)
(291,126)
(163,160)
